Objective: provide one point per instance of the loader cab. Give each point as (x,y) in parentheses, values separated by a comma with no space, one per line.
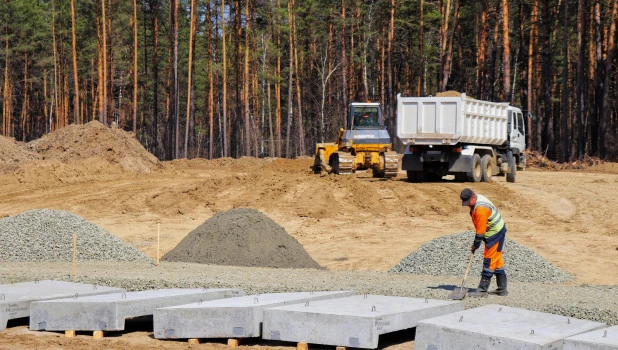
(365,115)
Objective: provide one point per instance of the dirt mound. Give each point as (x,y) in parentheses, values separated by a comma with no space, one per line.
(241,237)
(76,143)
(13,155)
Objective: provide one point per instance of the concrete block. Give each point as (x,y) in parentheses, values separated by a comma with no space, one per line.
(15,298)
(499,327)
(600,339)
(108,312)
(355,321)
(230,318)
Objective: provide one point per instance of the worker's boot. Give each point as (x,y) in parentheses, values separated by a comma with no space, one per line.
(481,291)
(501,290)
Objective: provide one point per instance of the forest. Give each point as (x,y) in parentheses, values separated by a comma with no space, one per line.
(271,78)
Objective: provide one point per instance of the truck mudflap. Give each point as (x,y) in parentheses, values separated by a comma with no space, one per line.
(460,164)
(411,162)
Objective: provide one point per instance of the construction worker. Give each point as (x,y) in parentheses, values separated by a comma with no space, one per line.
(490,228)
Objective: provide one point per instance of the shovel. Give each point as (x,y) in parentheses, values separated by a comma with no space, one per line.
(461,292)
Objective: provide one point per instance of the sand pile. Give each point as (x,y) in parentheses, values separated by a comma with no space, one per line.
(241,237)
(13,155)
(76,143)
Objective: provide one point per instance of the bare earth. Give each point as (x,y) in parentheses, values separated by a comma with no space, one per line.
(344,222)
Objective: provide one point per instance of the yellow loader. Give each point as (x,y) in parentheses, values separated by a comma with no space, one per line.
(367,145)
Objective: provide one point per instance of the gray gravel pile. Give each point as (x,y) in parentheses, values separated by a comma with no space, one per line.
(449,256)
(590,302)
(47,235)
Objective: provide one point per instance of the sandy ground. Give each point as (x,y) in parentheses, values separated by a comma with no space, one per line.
(344,222)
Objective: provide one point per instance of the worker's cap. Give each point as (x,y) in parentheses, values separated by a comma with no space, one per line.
(465,196)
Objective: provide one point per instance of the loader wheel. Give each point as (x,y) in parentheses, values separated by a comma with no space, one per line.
(474,174)
(317,169)
(334,163)
(510,176)
(380,170)
(486,168)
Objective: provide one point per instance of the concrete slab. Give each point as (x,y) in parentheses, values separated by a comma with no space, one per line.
(108,312)
(354,321)
(15,298)
(499,327)
(600,339)
(230,318)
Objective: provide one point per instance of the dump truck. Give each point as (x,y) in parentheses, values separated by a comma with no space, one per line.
(365,145)
(461,136)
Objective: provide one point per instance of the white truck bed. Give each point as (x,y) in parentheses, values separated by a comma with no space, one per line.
(451,120)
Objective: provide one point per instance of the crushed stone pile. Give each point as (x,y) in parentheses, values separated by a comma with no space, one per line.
(241,237)
(449,255)
(44,235)
(76,143)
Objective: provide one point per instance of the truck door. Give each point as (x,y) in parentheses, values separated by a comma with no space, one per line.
(518,130)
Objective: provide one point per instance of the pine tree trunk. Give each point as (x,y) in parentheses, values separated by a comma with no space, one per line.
(291,72)
(211,97)
(420,89)
(448,56)
(224,121)
(278,85)
(446,14)
(77,111)
(190,105)
(104,64)
(25,96)
(548,128)
(565,115)
(482,52)
(391,36)
(301,129)
(246,112)
(7,96)
(506,55)
(344,67)
(135,72)
(581,77)
(611,40)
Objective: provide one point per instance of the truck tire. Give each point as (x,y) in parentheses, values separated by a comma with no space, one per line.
(474,174)
(510,176)
(415,176)
(486,168)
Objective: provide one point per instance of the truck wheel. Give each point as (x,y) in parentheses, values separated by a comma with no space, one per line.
(486,168)
(460,177)
(415,176)
(475,173)
(510,176)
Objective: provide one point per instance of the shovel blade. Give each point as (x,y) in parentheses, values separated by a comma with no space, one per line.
(458,293)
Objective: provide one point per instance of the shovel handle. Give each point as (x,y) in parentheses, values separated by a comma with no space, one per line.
(467,269)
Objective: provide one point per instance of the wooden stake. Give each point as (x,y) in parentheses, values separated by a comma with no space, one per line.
(233,343)
(69,334)
(302,346)
(74,254)
(97,334)
(158,240)
(193,341)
